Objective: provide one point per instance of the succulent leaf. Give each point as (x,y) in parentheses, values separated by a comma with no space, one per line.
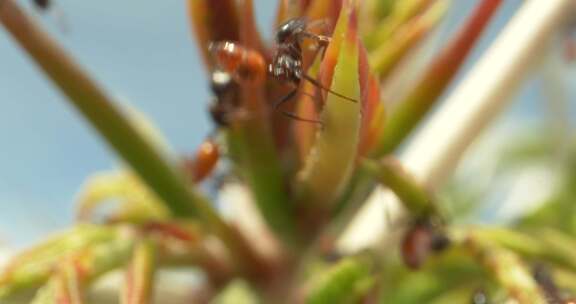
(435,80)
(33,267)
(138,288)
(213,20)
(348,281)
(136,203)
(332,159)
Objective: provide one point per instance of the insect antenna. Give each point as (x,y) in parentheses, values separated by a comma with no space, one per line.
(318,84)
(292,94)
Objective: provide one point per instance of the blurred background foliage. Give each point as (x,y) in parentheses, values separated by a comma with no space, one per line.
(520,175)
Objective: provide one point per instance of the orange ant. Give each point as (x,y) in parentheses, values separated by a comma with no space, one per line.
(221,109)
(225,101)
(286,64)
(245,65)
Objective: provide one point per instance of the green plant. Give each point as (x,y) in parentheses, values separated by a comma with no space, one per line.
(306,180)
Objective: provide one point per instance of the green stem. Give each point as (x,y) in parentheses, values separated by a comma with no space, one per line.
(439,75)
(505,266)
(541,244)
(100,110)
(140,275)
(390,174)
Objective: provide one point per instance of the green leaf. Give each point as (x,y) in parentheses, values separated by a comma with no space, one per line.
(390,174)
(237,292)
(101,111)
(98,248)
(139,278)
(332,158)
(426,92)
(346,282)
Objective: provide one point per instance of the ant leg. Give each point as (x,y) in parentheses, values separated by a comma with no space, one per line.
(318,84)
(286,98)
(313,97)
(321,40)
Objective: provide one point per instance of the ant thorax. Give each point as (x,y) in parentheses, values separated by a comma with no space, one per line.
(286,68)
(224,102)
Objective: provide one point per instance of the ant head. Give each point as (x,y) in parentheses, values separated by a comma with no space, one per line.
(289,30)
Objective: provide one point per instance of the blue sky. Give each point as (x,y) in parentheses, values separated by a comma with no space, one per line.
(141,51)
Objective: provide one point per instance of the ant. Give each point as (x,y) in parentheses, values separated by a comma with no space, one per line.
(423,239)
(221,109)
(245,65)
(286,65)
(225,100)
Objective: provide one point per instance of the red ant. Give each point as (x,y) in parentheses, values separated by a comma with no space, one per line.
(225,101)
(222,109)
(286,64)
(235,65)
(245,65)
(421,240)
(204,161)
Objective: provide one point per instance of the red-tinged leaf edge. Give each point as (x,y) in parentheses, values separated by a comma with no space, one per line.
(287,9)
(441,72)
(307,106)
(331,161)
(328,10)
(248,29)
(139,277)
(213,20)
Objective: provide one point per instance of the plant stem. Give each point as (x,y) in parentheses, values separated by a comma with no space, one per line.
(506,268)
(99,108)
(390,174)
(96,105)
